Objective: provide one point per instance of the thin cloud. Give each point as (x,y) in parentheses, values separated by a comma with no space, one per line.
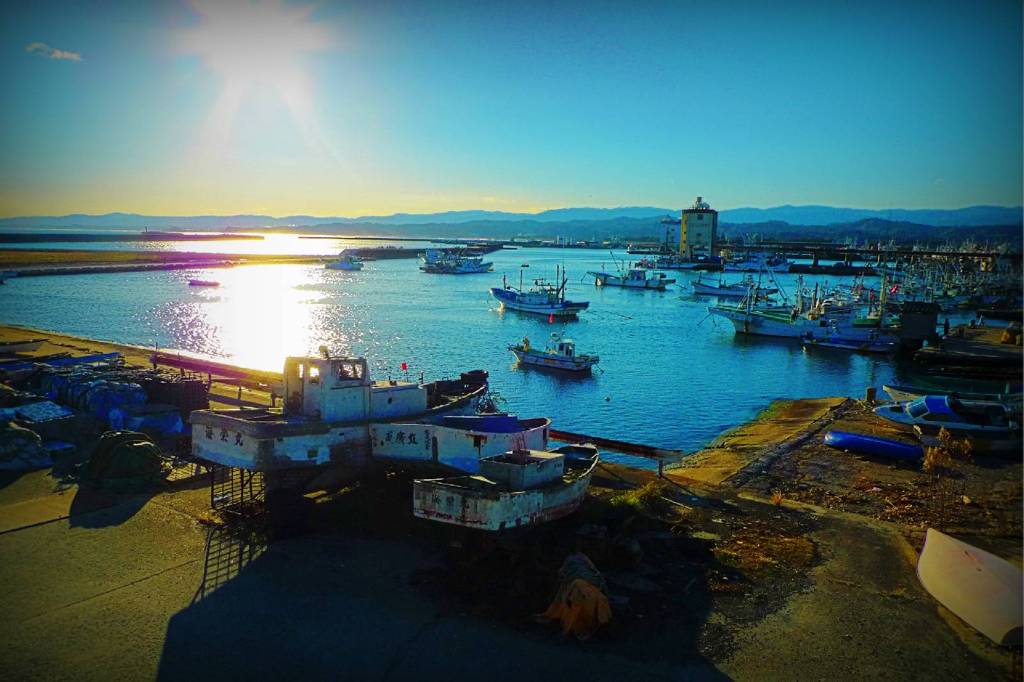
(44,50)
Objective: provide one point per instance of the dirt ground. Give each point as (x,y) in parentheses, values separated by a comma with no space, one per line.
(767,555)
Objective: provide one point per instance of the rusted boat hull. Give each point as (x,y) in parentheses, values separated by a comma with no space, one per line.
(475,502)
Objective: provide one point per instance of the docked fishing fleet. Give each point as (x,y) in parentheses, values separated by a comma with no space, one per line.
(446,262)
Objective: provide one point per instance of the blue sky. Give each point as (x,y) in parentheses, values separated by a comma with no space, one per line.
(349,109)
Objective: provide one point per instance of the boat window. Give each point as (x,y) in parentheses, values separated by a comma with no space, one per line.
(314,375)
(917,409)
(350,370)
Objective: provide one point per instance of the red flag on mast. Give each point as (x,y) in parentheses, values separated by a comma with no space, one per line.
(404,367)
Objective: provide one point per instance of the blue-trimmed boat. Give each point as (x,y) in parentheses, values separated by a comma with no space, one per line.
(543,298)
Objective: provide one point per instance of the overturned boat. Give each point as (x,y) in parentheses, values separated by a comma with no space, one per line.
(518,488)
(330,405)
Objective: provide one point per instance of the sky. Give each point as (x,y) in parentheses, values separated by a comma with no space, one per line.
(347,109)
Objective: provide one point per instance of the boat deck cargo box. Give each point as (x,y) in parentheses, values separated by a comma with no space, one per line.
(524,469)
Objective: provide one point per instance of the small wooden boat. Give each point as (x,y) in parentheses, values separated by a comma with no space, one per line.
(516,489)
(904,394)
(851,345)
(560,354)
(981,588)
(203,283)
(870,445)
(25,346)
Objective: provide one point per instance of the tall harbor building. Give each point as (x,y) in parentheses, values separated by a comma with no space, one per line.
(698,231)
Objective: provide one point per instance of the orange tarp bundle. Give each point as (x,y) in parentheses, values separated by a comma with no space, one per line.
(581,604)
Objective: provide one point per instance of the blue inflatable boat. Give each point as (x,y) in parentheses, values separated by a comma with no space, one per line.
(869,445)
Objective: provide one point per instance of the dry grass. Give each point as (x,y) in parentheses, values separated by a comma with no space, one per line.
(649,498)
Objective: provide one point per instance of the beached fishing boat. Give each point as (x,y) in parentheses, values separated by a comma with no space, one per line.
(905,394)
(635,278)
(443,262)
(744,287)
(543,298)
(953,414)
(203,283)
(345,261)
(559,354)
(456,443)
(516,489)
(24,346)
(330,405)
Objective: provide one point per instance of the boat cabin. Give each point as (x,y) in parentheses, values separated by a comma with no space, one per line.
(340,390)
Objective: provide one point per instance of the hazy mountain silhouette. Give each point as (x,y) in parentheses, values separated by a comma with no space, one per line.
(793,215)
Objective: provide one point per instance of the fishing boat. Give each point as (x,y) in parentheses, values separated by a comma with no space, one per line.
(870,345)
(634,278)
(516,489)
(905,394)
(560,354)
(443,262)
(758,262)
(345,261)
(953,414)
(23,346)
(735,290)
(543,298)
(203,283)
(330,406)
(457,443)
(979,587)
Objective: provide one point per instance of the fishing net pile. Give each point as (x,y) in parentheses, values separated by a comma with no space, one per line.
(125,461)
(21,448)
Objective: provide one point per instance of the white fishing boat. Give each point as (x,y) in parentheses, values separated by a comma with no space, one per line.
(978,417)
(739,289)
(443,262)
(559,354)
(543,298)
(758,262)
(905,394)
(634,278)
(330,405)
(345,261)
(456,443)
(519,488)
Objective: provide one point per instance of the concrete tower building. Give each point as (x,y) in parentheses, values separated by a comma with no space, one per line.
(698,231)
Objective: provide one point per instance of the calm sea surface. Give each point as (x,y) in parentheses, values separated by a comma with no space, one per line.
(669,376)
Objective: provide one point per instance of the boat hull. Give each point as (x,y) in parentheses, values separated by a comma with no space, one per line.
(446,501)
(510,300)
(870,445)
(550,361)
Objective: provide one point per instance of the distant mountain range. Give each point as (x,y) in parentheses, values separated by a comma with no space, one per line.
(971,216)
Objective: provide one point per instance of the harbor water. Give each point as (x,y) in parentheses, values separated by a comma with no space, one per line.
(669,376)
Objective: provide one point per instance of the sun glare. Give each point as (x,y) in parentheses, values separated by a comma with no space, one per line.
(256,47)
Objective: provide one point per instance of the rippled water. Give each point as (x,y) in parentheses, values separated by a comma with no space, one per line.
(669,376)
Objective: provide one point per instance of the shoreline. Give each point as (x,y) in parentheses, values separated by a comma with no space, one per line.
(707,575)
